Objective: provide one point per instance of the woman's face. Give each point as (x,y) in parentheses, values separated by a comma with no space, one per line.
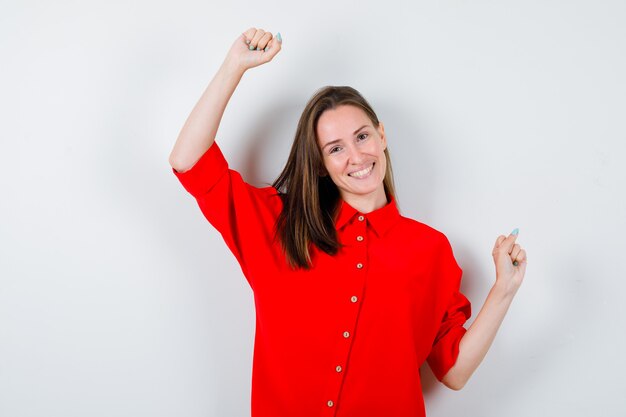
(353,153)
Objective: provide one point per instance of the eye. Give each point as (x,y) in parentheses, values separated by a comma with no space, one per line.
(332,150)
(363,134)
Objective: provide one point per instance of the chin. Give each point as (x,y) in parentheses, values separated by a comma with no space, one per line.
(363,191)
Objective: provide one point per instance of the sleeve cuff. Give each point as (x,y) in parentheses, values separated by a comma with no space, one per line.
(445,349)
(445,353)
(205,173)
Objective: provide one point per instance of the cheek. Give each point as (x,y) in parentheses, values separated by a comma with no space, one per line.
(382,162)
(334,165)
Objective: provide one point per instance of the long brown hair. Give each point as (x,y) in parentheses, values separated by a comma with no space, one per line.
(310,197)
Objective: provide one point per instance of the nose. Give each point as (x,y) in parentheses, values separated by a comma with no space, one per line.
(354,154)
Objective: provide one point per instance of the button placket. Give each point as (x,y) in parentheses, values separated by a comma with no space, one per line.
(356,284)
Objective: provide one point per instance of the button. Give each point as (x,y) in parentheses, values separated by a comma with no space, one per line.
(338,368)
(359,238)
(353,298)
(346,334)
(359,265)
(330,403)
(361,218)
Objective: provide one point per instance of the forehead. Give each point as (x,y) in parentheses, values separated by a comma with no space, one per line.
(340,123)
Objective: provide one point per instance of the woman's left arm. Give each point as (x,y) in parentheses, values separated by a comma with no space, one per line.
(510,262)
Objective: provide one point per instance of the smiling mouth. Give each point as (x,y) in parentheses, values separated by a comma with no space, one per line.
(362,173)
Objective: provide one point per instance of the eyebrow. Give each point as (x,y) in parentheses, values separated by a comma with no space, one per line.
(339,140)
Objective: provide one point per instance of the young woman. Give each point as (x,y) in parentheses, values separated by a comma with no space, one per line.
(351,297)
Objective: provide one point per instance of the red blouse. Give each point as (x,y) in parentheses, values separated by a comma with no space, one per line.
(346,338)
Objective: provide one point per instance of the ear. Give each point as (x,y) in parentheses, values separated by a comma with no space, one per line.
(381,132)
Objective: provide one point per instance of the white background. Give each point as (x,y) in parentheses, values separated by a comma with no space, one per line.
(117,298)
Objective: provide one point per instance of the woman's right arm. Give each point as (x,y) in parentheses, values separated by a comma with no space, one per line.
(199,131)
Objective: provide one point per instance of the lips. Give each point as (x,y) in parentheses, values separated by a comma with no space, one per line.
(362,173)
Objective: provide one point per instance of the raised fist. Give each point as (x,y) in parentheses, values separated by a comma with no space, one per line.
(252,48)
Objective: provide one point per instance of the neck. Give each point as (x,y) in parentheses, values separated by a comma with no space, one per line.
(368,203)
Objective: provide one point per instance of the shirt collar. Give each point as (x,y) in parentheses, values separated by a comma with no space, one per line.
(380,219)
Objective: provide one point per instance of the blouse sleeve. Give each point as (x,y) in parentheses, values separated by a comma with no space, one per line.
(243,214)
(445,349)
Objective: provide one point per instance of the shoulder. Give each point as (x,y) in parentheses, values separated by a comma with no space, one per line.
(424,230)
(422,234)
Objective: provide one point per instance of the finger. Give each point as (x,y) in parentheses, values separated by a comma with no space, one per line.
(256,38)
(273,48)
(508,243)
(249,34)
(263,41)
(496,247)
(520,257)
(499,241)
(515,255)
(521,261)
(515,252)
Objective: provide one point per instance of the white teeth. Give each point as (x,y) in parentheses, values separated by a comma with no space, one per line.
(362,173)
